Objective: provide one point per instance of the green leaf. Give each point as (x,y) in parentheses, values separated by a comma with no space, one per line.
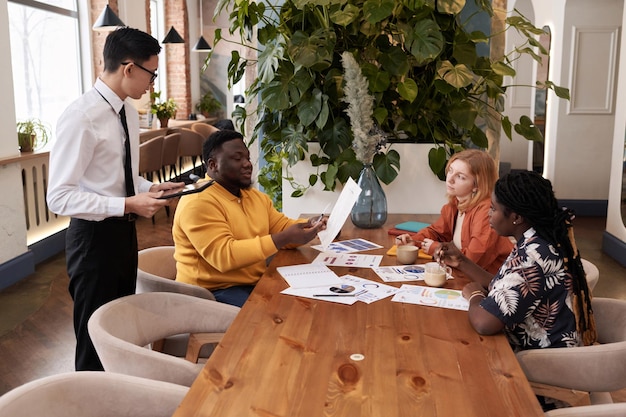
(561,92)
(479,138)
(269,58)
(330,177)
(458,76)
(345,16)
(387,166)
(502,69)
(478,37)
(408,89)
(450,6)
(315,50)
(394,61)
(378,81)
(377,10)
(322,118)
(312,180)
(309,107)
(507,126)
(437,159)
(276,95)
(380,114)
(527,128)
(425,41)
(463,114)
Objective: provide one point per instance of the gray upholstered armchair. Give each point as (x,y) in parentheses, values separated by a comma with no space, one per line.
(123,329)
(597,370)
(92,394)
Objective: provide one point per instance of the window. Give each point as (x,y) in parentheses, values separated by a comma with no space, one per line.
(157,30)
(45,57)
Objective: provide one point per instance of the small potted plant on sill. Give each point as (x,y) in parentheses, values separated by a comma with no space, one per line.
(32,134)
(164,110)
(208,105)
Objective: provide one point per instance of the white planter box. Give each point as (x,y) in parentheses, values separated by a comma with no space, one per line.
(415,190)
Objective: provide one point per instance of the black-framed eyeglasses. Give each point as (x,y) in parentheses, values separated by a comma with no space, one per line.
(153,75)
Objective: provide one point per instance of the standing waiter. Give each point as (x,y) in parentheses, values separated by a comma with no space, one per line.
(94,180)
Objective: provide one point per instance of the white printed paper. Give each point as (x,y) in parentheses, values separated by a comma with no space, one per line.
(340,213)
(308,275)
(434,297)
(348,259)
(400,273)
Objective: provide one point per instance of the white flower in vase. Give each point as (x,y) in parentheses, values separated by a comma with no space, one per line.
(367,137)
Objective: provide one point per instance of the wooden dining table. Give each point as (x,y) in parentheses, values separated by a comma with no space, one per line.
(291,356)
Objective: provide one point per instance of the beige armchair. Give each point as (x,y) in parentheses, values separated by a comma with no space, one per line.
(122,330)
(191,146)
(568,374)
(93,394)
(156,272)
(204,129)
(600,410)
(592,272)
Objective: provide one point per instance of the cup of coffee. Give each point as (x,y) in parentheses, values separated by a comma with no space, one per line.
(407,254)
(435,275)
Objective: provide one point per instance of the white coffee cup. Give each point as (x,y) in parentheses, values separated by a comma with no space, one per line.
(435,275)
(407,254)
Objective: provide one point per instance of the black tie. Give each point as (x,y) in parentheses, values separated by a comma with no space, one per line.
(128,171)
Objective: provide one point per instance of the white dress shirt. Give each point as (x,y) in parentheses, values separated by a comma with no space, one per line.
(87,158)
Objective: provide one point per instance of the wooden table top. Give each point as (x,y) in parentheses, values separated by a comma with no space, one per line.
(290,356)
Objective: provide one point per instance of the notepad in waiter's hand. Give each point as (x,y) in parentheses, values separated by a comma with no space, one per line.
(411,226)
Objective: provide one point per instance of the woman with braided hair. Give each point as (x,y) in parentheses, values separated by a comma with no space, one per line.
(539,296)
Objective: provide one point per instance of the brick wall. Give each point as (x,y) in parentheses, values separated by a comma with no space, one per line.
(98,38)
(177,55)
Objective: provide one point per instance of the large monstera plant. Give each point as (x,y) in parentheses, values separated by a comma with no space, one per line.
(423,69)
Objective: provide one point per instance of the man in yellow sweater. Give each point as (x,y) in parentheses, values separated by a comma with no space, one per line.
(224,234)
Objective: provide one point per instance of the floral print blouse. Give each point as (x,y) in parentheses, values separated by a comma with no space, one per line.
(531,295)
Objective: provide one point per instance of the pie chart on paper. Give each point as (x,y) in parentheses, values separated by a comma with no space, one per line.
(447,294)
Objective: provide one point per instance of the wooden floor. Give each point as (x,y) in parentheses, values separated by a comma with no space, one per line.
(37,337)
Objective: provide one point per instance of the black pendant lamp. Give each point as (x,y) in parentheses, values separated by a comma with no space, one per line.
(173,37)
(202,45)
(107,20)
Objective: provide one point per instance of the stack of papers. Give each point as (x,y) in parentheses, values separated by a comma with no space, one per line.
(318,282)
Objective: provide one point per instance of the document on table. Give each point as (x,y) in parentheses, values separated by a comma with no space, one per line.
(400,273)
(348,259)
(340,212)
(434,297)
(348,246)
(351,290)
(308,275)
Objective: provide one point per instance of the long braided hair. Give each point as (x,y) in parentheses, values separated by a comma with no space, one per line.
(531,196)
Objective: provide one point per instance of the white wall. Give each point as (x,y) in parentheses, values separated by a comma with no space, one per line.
(415,190)
(518,100)
(614,222)
(580,132)
(12,222)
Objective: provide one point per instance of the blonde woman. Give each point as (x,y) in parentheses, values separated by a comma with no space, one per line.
(464,220)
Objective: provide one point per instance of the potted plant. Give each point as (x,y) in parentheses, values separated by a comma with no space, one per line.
(32,134)
(428,80)
(164,110)
(208,105)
